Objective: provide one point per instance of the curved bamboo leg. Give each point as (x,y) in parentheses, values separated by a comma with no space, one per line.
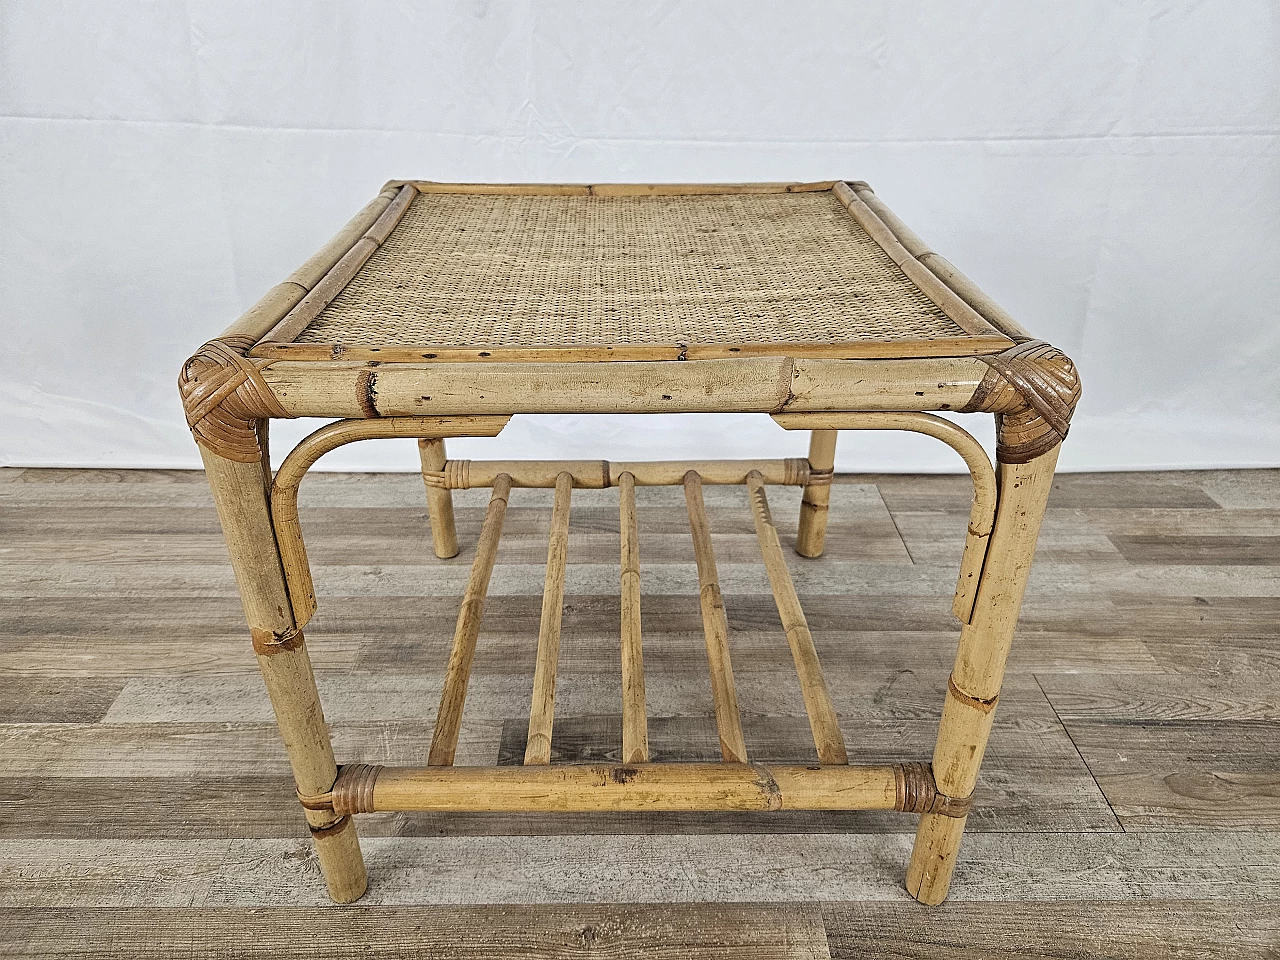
(444,533)
(974,685)
(812,532)
(240,494)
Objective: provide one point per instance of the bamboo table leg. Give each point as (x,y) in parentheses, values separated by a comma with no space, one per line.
(974,685)
(812,531)
(240,494)
(444,533)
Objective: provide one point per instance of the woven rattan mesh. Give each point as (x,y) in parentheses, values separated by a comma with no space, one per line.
(470,270)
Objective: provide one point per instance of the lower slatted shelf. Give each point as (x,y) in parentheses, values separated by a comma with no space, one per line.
(634,784)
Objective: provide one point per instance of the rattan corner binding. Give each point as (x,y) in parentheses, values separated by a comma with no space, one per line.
(442,310)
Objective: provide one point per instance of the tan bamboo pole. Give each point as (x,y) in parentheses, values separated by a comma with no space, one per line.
(542,711)
(965,288)
(284,489)
(981,513)
(974,685)
(970,293)
(635,725)
(240,495)
(811,534)
(444,532)
(324,260)
(614,189)
(597,474)
(929,283)
(749,385)
(715,625)
(962,345)
(621,787)
(444,739)
(341,273)
(283,297)
(813,686)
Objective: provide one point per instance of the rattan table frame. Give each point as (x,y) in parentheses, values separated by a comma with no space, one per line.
(259,369)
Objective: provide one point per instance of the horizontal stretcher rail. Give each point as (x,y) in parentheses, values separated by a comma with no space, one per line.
(908,787)
(597,474)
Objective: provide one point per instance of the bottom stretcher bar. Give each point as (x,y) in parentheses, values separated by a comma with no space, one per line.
(365,788)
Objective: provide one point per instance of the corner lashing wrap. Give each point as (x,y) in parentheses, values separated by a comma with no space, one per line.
(1033,389)
(224,397)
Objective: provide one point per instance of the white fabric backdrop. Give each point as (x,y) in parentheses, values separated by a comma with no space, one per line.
(1109,171)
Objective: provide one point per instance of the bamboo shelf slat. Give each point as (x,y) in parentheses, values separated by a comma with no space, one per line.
(441,310)
(715,625)
(444,739)
(813,686)
(635,724)
(542,712)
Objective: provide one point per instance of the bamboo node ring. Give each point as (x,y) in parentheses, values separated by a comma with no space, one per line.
(969,700)
(342,823)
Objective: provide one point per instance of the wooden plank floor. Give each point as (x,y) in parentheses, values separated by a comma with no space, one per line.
(1129,805)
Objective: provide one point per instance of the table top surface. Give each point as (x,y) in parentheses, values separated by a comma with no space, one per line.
(643,273)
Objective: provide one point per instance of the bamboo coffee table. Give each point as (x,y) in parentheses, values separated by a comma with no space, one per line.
(442,310)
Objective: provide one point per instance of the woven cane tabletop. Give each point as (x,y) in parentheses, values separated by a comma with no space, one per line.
(493,275)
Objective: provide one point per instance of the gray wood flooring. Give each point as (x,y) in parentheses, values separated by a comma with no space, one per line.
(1129,805)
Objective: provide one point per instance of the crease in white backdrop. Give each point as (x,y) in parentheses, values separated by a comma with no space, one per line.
(1108,171)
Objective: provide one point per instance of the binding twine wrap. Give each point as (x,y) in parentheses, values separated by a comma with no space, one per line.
(353,790)
(917,792)
(1033,389)
(224,397)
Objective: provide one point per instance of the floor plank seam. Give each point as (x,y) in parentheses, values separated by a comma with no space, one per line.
(897,529)
(1102,793)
